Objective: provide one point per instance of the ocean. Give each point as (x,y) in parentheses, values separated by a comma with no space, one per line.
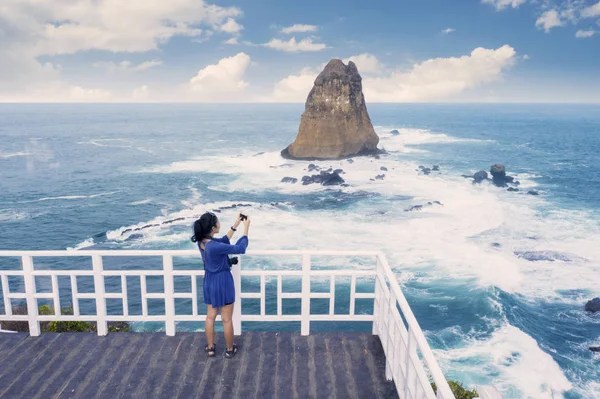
(496,279)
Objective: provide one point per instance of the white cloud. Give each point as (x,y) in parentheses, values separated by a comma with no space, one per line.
(299,28)
(581,34)
(366,63)
(33,28)
(231,26)
(80,94)
(220,81)
(292,46)
(232,41)
(440,78)
(548,20)
(66,27)
(294,88)
(140,93)
(501,4)
(448,31)
(591,11)
(127,66)
(431,80)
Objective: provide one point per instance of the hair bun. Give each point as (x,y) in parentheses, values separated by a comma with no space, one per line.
(194,239)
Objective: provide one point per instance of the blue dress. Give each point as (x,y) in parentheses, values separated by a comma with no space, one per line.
(218,281)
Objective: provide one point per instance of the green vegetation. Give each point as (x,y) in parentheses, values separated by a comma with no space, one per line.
(458,390)
(60,326)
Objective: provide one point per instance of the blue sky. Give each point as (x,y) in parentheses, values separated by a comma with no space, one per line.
(240,51)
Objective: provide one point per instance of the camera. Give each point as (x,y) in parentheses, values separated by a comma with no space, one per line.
(243,217)
(233,261)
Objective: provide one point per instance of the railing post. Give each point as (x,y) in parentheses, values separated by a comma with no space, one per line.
(409,349)
(169,295)
(32,309)
(377,297)
(237,307)
(390,338)
(305,327)
(101,323)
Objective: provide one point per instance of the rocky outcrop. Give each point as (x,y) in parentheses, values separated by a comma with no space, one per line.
(335,123)
(593,305)
(324,178)
(420,207)
(498,172)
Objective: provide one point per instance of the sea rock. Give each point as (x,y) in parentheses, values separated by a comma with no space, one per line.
(498,170)
(512,189)
(593,305)
(395,132)
(420,207)
(324,178)
(595,348)
(426,171)
(350,160)
(380,177)
(383,168)
(292,180)
(333,180)
(480,176)
(339,171)
(499,178)
(312,167)
(533,192)
(335,123)
(436,168)
(172,220)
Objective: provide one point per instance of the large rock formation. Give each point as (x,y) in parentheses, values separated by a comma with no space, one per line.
(335,123)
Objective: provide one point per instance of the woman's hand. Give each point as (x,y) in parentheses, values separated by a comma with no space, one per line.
(246,225)
(237,221)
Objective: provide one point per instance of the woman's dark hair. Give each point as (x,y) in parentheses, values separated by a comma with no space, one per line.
(203,226)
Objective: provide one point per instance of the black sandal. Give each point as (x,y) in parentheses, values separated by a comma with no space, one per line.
(231,353)
(211,352)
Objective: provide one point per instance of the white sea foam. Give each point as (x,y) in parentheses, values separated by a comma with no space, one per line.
(419,136)
(11,215)
(84,244)
(72,197)
(456,237)
(142,202)
(14,154)
(520,368)
(110,143)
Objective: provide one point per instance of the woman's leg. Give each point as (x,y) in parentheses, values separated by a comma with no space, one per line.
(226,314)
(209,325)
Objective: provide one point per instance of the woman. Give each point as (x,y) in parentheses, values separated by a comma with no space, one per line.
(219,291)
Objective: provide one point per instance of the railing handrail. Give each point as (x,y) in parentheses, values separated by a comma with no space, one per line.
(411,320)
(383,273)
(176,252)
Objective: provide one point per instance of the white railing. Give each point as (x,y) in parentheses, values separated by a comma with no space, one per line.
(407,353)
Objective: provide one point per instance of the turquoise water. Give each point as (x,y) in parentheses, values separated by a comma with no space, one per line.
(86,176)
